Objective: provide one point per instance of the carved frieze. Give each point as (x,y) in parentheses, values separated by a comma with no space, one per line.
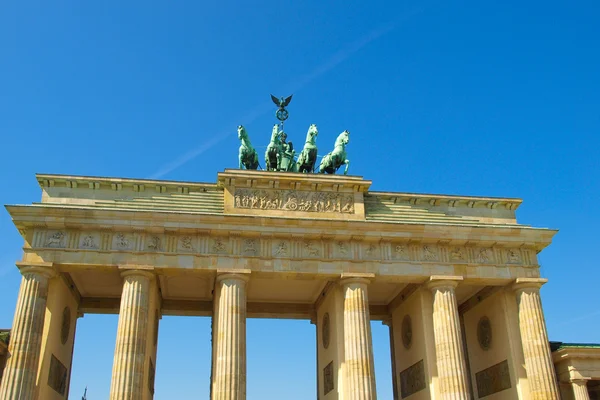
(493,379)
(186,243)
(294,200)
(513,256)
(250,247)
(484,255)
(458,254)
(154,243)
(281,248)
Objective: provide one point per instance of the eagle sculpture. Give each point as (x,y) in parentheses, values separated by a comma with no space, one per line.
(281,103)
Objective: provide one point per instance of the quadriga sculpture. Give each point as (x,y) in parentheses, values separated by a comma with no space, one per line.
(248,156)
(334,160)
(308,156)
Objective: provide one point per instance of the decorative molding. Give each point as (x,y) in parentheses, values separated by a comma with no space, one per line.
(294,200)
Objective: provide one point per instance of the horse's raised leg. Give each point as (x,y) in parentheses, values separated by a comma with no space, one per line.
(347,162)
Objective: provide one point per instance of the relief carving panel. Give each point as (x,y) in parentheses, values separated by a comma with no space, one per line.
(412,379)
(493,379)
(57,376)
(328,378)
(294,200)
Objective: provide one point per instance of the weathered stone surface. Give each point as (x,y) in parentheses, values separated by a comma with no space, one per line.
(19,377)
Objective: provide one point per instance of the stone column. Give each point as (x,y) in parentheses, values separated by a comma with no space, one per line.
(390,324)
(20,374)
(534,338)
(229,340)
(580,389)
(449,351)
(132,333)
(358,347)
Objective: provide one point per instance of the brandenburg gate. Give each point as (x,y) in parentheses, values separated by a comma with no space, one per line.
(455,278)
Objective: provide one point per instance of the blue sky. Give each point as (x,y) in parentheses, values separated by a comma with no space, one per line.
(495,98)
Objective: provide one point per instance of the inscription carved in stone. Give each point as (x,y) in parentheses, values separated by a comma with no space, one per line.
(493,379)
(325,330)
(294,200)
(406,331)
(412,379)
(65,327)
(328,378)
(484,333)
(57,376)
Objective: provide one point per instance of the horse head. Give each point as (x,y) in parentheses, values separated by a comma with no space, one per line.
(242,134)
(311,135)
(343,139)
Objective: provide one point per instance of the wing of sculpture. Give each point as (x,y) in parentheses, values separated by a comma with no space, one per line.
(276,101)
(287,101)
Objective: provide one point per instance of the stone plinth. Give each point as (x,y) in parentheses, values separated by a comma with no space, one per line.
(20,374)
(534,337)
(229,337)
(358,347)
(132,333)
(450,358)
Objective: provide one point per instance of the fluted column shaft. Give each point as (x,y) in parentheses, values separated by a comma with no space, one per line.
(20,373)
(132,333)
(580,389)
(534,337)
(229,377)
(358,346)
(449,352)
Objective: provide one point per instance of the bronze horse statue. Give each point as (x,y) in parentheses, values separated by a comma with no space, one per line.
(274,150)
(334,160)
(248,157)
(308,156)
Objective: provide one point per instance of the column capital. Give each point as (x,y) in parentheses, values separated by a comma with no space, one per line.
(528,283)
(43,268)
(579,381)
(363,278)
(137,270)
(240,274)
(441,281)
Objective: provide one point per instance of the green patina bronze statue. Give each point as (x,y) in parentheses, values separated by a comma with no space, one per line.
(274,151)
(308,156)
(288,162)
(248,156)
(334,160)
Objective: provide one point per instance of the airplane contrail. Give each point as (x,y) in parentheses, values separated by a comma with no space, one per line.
(294,86)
